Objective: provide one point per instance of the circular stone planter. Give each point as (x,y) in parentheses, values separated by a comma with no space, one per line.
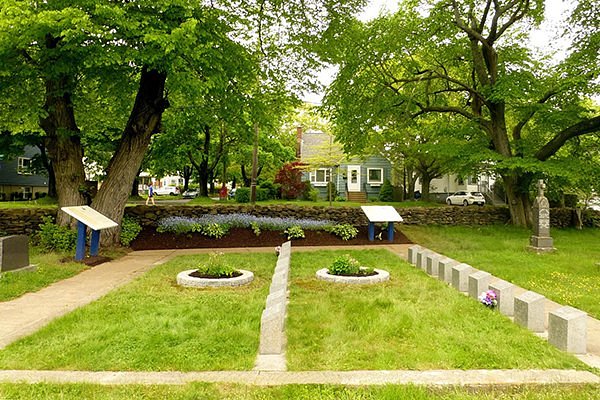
(381,276)
(184,279)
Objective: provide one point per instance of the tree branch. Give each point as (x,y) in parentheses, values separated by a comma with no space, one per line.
(581,128)
(519,127)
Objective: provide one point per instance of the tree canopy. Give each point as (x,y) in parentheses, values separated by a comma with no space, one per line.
(469,60)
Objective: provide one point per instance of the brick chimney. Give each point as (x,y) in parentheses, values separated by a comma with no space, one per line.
(298,142)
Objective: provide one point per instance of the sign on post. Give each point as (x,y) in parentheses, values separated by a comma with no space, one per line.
(381,214)
(87,216)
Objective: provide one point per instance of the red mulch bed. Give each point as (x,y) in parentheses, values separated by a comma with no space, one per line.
(149,239)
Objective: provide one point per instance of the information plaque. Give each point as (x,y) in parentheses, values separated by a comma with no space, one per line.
(87,216)
(381,214)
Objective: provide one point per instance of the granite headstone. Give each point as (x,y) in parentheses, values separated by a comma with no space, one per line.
(14,252)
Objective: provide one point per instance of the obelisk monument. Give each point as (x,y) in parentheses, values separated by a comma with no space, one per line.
(541,241)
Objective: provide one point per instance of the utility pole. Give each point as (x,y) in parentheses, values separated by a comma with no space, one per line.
(254,166)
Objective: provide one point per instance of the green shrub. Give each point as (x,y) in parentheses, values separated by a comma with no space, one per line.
(54,237)
(346,265)
(242,195)
(344,231)
(386,193)
(216,267)
(294,232)
(215,230)
(309,193)
(130,228)
(255,228)
(262,194)
(271,188)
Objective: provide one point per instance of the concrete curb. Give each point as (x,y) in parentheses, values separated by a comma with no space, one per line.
(353,378)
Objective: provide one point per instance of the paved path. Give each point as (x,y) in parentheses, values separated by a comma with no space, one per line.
(262,378)
(25,315)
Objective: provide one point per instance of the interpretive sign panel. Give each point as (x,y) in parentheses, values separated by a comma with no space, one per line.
(87,216)
(90,217)
(381,214)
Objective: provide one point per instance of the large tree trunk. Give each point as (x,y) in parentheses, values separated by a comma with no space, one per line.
(519,203)
(425,184)
(144,121)
(64,147)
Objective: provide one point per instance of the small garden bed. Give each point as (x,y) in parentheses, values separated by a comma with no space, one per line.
(245,230)
(149,239)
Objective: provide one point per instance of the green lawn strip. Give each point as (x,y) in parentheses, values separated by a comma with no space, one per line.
(569,276)
(49,270)
(411,322)
(320,203)
(153,324)
(297,392)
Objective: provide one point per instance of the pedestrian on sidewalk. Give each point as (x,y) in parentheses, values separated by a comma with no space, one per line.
(150,194)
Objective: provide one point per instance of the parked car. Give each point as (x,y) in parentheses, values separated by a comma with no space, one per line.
(190,194)
(466,198)
(164,190)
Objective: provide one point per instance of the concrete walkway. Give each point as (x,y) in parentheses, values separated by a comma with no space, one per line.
(352,378)
(27,314)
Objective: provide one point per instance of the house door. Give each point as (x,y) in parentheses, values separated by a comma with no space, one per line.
(354,178)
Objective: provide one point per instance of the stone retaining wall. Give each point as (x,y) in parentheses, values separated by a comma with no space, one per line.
(20,221)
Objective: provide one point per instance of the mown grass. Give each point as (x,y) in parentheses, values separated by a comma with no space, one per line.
(411,322)
(320,203)
(50,269)
(153,324)
(569,276)
(45,202)
(297,392)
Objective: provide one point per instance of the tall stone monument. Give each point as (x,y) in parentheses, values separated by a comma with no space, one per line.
(541,241)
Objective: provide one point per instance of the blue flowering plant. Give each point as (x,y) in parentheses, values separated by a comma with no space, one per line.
(488,299)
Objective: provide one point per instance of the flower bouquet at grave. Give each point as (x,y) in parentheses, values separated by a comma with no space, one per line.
(488,299)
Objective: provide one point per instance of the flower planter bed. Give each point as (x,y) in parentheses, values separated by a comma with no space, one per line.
(186,278)
(379,276)
(149,239)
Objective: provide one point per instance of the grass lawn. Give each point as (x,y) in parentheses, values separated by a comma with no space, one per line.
(49,270)
(297,392)
(321,203)
(45,202)
(569,276)
(153,324)
(411,322)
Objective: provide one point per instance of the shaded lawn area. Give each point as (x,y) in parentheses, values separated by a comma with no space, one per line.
(569,276)
(49,270)
(297,392)
(153,324)
(411,322)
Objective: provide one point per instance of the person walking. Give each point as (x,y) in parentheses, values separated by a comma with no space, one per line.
(150,194)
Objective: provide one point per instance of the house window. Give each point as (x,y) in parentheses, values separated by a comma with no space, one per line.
(24,166)
(320,177)
(374,176)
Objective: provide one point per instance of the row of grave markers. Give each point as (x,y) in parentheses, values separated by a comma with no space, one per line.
(272,322)
(567,326)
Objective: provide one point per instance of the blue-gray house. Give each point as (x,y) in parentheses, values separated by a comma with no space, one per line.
(356,179)
(18,180)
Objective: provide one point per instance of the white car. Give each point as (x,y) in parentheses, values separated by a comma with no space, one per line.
(465,199)
(164,190)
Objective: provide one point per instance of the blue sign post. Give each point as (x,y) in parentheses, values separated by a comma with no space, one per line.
(88,217)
